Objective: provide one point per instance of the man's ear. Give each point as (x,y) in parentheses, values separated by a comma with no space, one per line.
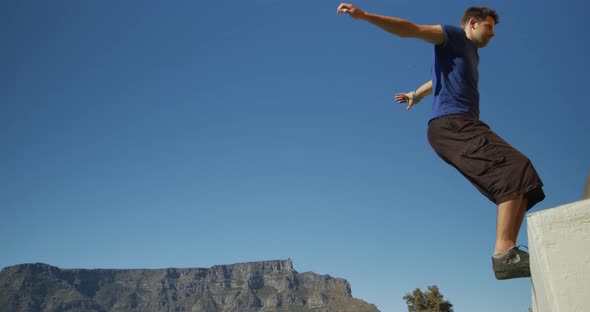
(472,22)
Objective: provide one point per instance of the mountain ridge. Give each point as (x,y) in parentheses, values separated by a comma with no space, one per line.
(250,286)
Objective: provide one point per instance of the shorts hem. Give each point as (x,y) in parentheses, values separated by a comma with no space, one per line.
(534,195)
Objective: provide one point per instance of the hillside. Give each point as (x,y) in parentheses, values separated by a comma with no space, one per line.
(255,286)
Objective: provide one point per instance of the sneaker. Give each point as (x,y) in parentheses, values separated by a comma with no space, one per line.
(513,263)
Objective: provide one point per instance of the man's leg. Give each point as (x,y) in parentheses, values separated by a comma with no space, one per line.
(510,216)
(508,261)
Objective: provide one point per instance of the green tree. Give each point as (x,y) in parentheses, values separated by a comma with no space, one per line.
(429,301)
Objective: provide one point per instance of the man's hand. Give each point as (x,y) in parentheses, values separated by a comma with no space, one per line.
(351,10)
(409,98)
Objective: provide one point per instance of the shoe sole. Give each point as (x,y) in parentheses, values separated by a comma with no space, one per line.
(510,275)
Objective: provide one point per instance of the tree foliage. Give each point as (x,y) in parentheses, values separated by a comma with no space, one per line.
(429,301)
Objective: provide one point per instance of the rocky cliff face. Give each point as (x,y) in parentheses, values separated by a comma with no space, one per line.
(256,286)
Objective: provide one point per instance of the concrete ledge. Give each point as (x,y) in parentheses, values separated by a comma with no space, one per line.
(559,242)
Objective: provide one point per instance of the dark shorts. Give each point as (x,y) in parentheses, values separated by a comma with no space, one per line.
(494,167)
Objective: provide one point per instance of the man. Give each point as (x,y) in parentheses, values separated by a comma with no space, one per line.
(495,168)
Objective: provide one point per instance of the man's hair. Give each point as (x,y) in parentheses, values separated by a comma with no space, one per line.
(479,13)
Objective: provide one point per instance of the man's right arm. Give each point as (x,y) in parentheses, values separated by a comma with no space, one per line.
(397,26)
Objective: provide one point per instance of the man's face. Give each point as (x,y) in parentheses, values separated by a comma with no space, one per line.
(483,31)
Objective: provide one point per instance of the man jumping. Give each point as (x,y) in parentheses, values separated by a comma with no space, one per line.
(500,172)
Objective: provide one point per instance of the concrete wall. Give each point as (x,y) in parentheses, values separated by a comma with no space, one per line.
(559,242)
(587,188)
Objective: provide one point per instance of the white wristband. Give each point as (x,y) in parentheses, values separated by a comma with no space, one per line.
(414,98)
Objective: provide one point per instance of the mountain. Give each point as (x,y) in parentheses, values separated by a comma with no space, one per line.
(255,286)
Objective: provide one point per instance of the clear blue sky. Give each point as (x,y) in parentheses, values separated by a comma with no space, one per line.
(153,134)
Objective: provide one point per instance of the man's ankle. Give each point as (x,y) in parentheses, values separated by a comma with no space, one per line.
(502,250)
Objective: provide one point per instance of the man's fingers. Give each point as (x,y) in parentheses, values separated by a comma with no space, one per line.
(344,8)
(401,98)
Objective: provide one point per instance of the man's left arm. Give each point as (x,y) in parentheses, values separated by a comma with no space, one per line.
(414,97)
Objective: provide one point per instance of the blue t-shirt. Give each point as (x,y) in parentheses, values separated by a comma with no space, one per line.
(455,75)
